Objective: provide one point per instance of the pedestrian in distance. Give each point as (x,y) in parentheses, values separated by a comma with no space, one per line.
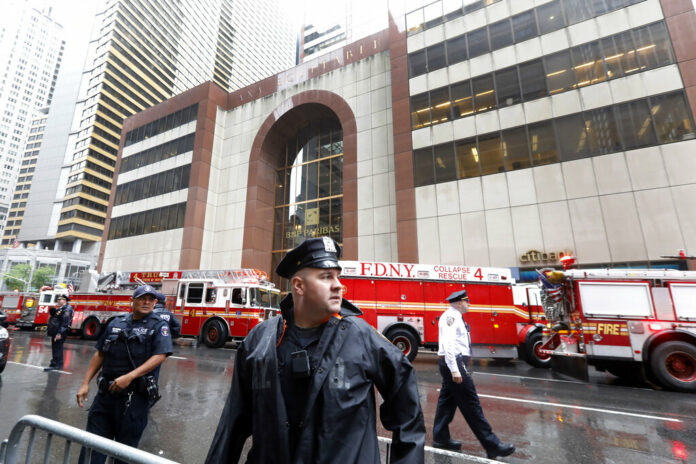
(163,313)
(129,354)
(303,382)
(58,328)
(458,391)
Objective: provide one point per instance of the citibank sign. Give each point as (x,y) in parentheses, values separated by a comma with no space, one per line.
(536,256)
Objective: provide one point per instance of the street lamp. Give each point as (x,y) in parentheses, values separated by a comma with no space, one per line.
(16,278)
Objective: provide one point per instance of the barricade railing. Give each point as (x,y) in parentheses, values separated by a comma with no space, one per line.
(10,450)
(436,456)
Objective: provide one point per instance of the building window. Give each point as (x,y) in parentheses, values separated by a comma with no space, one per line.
(309,187)
(445,168)
(550,17)
(508,87)
(655,120)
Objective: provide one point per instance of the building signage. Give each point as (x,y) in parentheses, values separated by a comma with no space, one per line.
(536,256)
(316,231)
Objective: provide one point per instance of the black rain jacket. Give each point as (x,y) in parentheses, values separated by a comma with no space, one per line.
(340,420)
(60,321)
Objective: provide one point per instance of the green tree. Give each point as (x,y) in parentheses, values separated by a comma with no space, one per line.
(43,276)
(21,272)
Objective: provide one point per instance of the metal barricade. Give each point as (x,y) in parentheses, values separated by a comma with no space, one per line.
(10,448)
(435,455)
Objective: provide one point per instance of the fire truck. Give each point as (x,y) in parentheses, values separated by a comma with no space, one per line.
(631,323)
(216,306)
(405,301)
(219,306)
(13,303)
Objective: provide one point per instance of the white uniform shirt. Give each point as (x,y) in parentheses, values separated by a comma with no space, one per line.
(454,338)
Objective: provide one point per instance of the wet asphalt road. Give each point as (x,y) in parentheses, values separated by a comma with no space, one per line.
(549,419)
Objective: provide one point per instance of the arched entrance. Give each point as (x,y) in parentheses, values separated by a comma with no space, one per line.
(302,179)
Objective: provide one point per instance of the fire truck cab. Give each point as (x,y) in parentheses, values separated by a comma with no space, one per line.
(36,314)
(628,322)
(218,306)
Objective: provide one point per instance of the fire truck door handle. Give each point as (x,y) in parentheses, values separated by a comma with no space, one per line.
(495,313)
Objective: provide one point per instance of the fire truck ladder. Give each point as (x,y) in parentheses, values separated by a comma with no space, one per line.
(229,276)
(637,274)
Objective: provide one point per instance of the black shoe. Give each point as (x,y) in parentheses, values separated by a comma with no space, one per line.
(453,445)
(50,368)
(502,450)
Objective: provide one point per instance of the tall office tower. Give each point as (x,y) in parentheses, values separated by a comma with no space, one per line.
(26,175)
(141,53)
(31,48)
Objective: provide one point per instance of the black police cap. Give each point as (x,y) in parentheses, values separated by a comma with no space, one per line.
(321,253)
(145,290)
(456,296)
(65,297)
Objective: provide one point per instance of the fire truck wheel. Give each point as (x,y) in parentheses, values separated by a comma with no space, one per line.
(214,334)
(405,341)
(674,365)
(533,356)
(91,329)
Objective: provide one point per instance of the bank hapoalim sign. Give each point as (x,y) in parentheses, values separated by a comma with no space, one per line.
(543,257)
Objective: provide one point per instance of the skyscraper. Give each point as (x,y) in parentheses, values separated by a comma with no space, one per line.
(142,53)
(31,49)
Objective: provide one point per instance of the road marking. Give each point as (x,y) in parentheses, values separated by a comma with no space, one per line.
(532,378)
(176,357)
(453,454)
(36,367)
(584,408)
(551,380)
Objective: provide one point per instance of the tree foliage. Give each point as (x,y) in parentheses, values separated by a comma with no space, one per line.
(43,276)
(21,272)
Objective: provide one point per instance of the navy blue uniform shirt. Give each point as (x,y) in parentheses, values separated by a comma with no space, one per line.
(146,337)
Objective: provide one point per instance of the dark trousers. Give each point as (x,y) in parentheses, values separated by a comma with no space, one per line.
(109,418)
(464,397)
(57,349)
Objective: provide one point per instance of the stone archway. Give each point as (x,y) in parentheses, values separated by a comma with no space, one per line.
(258,218)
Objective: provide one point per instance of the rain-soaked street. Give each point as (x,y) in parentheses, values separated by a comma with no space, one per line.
(549,419)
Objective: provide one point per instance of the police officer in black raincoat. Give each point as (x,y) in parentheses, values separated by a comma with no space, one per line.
(163,313)
(58,328)
(303,383)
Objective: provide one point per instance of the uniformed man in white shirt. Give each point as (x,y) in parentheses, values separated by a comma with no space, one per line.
(458,391)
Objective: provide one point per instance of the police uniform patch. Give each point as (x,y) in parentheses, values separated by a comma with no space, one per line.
(450,320)
(164,331)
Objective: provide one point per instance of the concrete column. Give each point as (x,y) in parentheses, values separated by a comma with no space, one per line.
(77,244)
(39,245)
(56,245)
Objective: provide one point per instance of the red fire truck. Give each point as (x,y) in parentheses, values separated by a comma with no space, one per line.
(218,306)
(13,303)
(632,323)
(405,301)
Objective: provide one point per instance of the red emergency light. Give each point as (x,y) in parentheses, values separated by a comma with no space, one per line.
(567,261)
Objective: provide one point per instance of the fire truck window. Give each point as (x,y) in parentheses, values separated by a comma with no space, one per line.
(211,295)
(182,290)
(46,298)
(237,296)
(195,293)
(261,297)
(275,300)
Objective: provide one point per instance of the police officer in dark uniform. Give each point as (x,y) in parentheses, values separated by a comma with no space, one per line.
(303,383)
(163,313)
(458,389)
(58,328)
(129,354)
